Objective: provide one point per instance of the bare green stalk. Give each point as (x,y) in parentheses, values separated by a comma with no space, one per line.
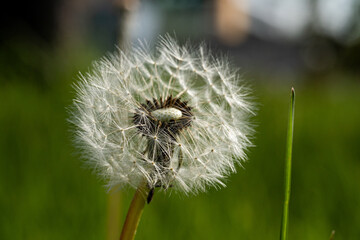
(287,185)
(134,213)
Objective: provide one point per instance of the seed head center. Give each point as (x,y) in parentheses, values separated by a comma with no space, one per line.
(167,114)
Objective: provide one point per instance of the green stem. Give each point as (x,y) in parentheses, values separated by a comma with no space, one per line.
(134,214)
(287,185)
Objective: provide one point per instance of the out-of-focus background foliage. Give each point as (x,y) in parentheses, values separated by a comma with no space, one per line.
(45,193)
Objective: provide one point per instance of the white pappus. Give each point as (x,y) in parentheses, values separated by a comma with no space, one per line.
(176,117)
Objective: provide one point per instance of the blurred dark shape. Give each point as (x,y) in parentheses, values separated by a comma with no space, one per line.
(350,58)
(320,54)
(84,22)
(24,61)
(256,55)
(27,33)
(20,19)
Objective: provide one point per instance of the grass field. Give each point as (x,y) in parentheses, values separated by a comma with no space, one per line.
(45,193)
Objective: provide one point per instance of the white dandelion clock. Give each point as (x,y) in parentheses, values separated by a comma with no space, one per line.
(176,118)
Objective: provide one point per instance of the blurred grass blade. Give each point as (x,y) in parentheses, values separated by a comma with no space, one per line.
(113,214)
(287,185)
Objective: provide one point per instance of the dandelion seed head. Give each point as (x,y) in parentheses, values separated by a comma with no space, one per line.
(177,117)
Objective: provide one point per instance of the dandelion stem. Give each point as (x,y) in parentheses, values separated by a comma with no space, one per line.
(287,185)
(134,213)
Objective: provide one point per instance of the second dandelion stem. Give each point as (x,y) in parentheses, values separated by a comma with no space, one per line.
(134,214)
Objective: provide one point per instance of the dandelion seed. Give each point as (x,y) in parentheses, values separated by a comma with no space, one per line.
(176,117)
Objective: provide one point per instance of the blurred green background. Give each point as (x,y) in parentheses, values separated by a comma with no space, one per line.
(46,193)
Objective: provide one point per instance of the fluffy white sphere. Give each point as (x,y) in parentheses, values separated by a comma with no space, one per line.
(176,118)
